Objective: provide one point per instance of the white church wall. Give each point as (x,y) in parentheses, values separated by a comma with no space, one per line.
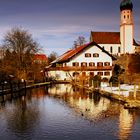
(116,48)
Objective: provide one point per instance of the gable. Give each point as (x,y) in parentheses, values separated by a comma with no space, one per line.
(92,50)
(69,55)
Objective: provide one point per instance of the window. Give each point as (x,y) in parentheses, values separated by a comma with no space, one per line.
(83,64)
(75,64)
(95,55)
(124,16)
(99,64)
(83,74)
(111,50)
(107,73)
(87,54)
(119,49)
(75,74)
(91,74)
(128,16)
(100,73)
(107,64)
(65,64)
(91,64)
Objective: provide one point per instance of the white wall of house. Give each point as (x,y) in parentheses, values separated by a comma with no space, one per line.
(65,75)
(103,57)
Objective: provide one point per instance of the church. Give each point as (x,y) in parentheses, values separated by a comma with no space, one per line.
(97,56)
(122,42)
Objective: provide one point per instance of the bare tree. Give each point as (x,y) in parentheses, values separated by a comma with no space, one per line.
(20,49)
(79,42)
(52,57)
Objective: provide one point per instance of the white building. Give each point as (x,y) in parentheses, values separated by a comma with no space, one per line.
(86,61)
(121,42)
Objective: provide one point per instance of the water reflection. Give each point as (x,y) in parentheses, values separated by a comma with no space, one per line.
(95,108)
(22,115)
(126,120)
(90,105)
(66,112)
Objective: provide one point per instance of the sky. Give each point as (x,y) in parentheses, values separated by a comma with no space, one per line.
(56,24)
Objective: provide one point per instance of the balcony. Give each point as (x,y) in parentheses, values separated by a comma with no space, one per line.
(91,68)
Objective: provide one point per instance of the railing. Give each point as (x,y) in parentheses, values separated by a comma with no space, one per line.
(89,68)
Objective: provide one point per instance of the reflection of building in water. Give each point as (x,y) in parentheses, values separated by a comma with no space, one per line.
(125,124)
(90,105)
(60,89)
(39,92)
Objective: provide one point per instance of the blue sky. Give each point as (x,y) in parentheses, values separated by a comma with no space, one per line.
(56,24)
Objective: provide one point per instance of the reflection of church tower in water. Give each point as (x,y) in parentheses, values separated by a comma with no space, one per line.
(126,120)
(126,27)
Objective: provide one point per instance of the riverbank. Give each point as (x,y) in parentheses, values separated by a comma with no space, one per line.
(130,103)
(15,91)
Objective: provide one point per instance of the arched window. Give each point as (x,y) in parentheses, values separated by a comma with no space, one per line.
(111,49)
(119,49)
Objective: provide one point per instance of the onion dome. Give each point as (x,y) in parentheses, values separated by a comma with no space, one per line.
(126,5)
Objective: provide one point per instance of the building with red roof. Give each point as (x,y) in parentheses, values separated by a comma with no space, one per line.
(86,60)
(40,59)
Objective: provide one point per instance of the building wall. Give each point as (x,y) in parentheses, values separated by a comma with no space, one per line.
(126,34)
(68,75)
(103,57)
(116,48)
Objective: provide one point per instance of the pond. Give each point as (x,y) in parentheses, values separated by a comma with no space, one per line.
(63,112)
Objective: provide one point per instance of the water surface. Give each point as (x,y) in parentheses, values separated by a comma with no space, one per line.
(63,112)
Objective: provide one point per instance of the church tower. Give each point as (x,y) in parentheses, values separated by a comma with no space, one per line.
(126,27)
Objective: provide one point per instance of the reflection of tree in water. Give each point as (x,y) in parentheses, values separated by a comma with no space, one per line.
(22,118)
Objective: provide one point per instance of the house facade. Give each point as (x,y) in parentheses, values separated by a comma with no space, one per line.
(84,61)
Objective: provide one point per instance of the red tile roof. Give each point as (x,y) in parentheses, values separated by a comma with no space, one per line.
(41,57)
(71,53)
(105,37)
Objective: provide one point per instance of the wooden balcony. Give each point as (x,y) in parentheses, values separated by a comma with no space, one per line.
(68,68)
